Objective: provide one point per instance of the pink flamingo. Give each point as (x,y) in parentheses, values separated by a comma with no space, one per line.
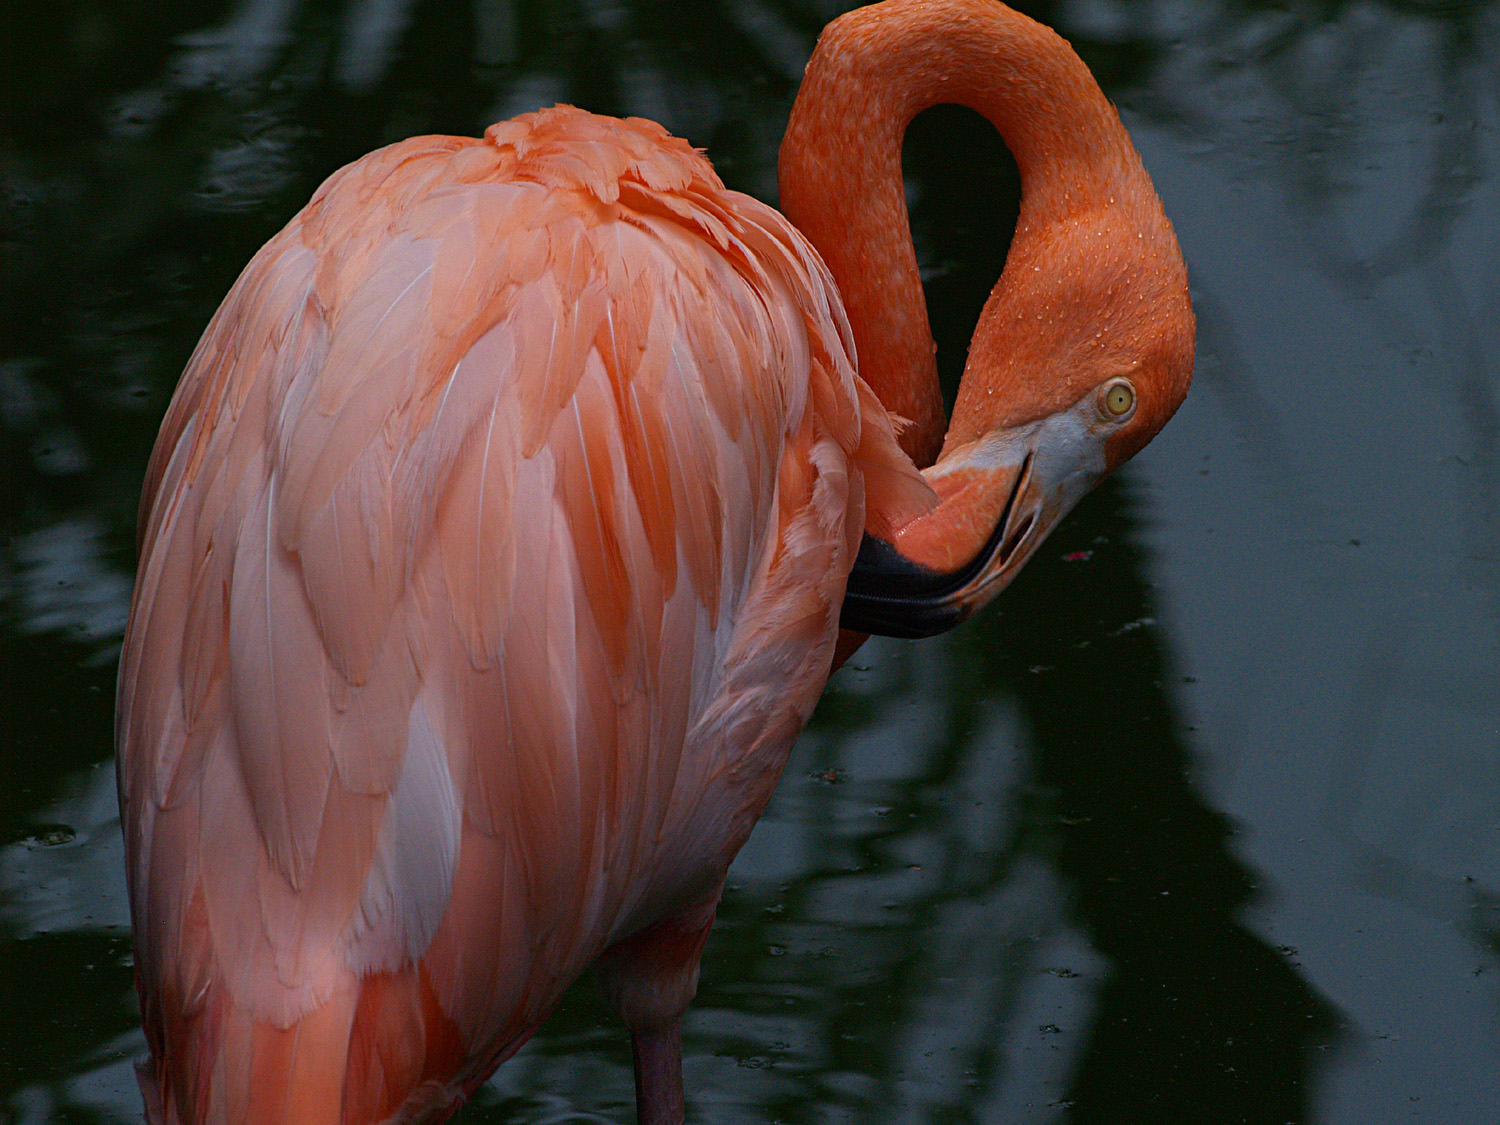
(495,543)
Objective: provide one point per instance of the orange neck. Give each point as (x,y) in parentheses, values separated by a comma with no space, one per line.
(841,182)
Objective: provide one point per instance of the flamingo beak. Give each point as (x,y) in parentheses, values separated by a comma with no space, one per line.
(999,497)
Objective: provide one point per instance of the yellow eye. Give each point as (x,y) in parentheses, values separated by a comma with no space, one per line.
(1118,399)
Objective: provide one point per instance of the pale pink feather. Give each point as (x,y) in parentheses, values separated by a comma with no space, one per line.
(491,560)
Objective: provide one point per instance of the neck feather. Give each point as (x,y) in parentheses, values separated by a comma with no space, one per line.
(840,167)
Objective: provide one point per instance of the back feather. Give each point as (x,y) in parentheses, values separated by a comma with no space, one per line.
(491,557)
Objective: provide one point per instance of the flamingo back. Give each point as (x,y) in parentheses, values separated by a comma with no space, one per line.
(491,558)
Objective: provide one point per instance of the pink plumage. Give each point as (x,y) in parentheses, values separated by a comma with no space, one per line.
(496,543)
(515,484)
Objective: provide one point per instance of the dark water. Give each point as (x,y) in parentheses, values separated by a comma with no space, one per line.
(1200,823)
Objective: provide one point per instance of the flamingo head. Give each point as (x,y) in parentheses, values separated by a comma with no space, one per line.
(1082,354)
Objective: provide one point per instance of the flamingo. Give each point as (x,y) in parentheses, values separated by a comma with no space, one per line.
(497,542)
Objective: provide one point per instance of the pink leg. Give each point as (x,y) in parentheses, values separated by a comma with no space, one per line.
(650,980)
(658,1075)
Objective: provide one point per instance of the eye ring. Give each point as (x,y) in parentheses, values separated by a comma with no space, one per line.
(1117,400)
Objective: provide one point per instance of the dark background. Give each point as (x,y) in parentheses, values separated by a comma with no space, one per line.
(1200,823)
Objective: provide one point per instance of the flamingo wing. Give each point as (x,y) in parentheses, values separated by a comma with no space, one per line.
(492,553)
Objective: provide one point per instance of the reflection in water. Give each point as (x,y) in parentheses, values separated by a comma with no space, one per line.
(1379,129)
(1199,1019)
(988,888)
(1376,128)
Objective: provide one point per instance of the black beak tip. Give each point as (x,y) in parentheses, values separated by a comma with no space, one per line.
(891,596)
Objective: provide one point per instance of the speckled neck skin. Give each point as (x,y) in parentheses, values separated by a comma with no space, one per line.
(1092,247)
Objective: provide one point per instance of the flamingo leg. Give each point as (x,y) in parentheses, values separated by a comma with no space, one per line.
(649,980)
(658,1075)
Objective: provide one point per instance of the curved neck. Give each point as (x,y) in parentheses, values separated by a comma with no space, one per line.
(840,167)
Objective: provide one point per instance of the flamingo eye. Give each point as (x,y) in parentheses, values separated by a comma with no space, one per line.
(1117,400)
